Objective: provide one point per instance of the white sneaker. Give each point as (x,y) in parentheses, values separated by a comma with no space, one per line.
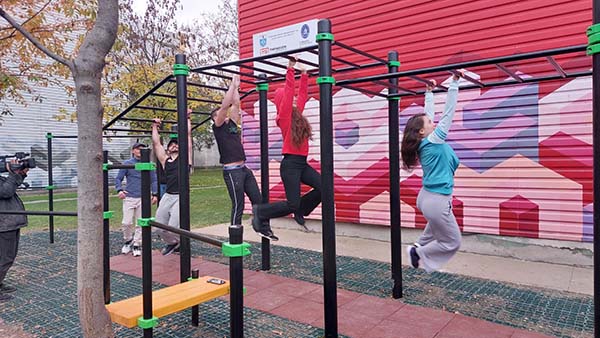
(126,248)
(137,251)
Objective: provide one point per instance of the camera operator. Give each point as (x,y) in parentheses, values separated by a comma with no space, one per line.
(10,225)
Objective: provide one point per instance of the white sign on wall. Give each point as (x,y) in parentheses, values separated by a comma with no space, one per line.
(285,39)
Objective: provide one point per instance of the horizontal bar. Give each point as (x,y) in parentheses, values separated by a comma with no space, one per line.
(169,96)
(469,64)
(141,131)
(427,82)
(468,78)
(388,85)
(157,108)
(238,72)
(513,82)
(195,84)
(366,91)
(261,70)
(37,213)
(64,136)
(223,76)
(188,234)
(201,123)
(509,73)
(248,94)
(127,136)
(357,51)
(138,101)
(136,119)
(556,66)
(256,58)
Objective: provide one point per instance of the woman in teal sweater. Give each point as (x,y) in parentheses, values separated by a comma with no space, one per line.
(425,142)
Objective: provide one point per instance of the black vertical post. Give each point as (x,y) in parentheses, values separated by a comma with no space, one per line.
(394,156)
(146,245)
(184,170)
(106,231)
(596,157)
(236,280)
(325,39)
(159,173)
(264,163)
(50,189)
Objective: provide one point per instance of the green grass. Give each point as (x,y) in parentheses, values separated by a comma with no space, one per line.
(209,204)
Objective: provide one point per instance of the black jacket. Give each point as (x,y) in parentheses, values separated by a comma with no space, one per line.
(9,200)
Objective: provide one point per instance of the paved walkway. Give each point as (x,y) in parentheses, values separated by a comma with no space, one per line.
(359,315)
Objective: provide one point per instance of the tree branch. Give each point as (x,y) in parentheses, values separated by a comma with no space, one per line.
(35,41)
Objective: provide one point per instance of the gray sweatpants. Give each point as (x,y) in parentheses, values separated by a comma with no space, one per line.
(441,238)
(168,213)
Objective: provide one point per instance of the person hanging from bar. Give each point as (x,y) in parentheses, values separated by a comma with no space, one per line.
(168,208)
(239,179)
(425,143)
(294,169)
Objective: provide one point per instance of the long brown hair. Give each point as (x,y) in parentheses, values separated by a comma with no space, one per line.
(411,141)
(301,128)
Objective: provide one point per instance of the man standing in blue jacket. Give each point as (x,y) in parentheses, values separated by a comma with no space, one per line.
(10,225)
(132,201)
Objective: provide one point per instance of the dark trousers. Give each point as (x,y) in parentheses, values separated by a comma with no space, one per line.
(293,170)
(9,245)
(239,182)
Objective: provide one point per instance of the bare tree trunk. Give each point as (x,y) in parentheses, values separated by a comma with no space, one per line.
(87,72)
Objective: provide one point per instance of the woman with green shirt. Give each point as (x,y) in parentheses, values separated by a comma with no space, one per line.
(425,143)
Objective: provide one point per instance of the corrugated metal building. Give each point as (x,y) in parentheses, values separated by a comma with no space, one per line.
(526,154)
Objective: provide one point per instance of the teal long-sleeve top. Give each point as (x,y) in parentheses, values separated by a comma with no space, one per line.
(438,159)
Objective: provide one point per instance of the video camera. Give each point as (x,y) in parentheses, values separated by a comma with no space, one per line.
(23,162)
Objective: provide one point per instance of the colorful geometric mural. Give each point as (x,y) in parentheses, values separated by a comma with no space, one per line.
(526,161)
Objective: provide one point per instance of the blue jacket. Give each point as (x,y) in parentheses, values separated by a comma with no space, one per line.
(134,180)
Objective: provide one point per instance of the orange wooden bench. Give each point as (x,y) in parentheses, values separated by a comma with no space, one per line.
(167,300)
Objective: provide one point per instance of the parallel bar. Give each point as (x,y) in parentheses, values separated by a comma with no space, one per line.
(138,131)
(509,73)
(37,213)
(156,108)
(50,191)
(357,51)
(120,166)
(64,136)
(352,65)
(105,233)
(170,96)
(556,66)
(394,156)
(231,71)
(469,64)
(201,123)
(261,70)
(137,119)
(265,247)
(248,93)
(256,58)
(188,234)
(136,102)
(427,82)
(222,76)
(327,192)
(366,91)
(274,64)
(236,285)
(514,82)
(126,136)
(394,86)
(200,85)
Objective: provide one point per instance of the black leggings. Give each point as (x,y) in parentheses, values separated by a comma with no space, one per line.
(238,182)
(293,170)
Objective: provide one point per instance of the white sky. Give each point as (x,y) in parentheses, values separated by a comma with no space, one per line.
(191,8)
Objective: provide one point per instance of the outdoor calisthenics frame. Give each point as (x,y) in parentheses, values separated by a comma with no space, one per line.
(324,48)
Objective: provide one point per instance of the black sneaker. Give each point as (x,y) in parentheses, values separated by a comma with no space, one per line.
(5,297)
(170,248)
(7,288)
(414,257)
(268,234)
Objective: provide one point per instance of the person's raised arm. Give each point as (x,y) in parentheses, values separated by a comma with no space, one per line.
(303,89)
(235,108)
(228,100)
(441,130)
(284,108)
(429,104)
(159,151)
